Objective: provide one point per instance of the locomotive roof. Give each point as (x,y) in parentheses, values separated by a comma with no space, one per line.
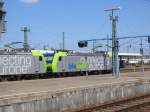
(87,54)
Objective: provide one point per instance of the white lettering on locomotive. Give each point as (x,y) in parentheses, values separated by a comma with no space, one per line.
(14,64)
(94,62)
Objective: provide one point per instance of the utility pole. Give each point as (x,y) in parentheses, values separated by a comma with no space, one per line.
(149,49)
(93,47)
(60,46)
(25,44)
(149,44)
(107,44)
(93,50)
(2,18)
(141,52)
(115,42)
(63,39)
(128,50)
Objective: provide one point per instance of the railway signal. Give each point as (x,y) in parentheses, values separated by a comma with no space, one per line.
(82,44)
(149,39)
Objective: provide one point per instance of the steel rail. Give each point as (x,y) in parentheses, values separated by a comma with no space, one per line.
(121,105)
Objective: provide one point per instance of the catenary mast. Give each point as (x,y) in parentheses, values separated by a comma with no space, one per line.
(2,18)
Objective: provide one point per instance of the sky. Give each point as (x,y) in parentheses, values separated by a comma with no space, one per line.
(79,19)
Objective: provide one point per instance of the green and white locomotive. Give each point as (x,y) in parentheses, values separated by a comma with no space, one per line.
(38,63)
(58,62)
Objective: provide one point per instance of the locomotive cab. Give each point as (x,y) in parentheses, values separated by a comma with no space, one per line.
(46,57)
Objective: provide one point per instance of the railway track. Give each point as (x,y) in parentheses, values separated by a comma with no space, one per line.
(125,70)
(136,104)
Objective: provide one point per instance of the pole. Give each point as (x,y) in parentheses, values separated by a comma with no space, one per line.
(115,46)
(60,46)
(94,46)
(63,34)
(149,49)
(26,45)
(149,52)
(107,44)
(141,52)
(2,18)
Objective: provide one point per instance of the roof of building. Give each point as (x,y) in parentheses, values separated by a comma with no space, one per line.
(129,54)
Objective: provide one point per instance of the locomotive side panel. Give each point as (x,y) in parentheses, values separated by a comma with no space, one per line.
(82,63)
(72,64)
(19,64)
(95,63)
(37,66)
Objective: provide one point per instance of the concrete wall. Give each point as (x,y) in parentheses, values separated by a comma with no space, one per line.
(72,99)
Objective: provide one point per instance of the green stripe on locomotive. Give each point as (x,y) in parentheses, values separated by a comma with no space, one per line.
(52,66)
(57,55)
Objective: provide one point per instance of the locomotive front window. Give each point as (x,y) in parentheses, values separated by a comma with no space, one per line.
(49,60)
(49,57)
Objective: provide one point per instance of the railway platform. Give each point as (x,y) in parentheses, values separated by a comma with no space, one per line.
(70,94)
